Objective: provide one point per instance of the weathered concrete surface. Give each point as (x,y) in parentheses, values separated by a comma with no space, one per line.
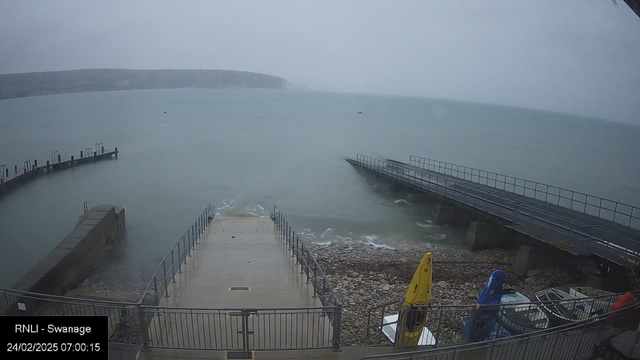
(79,253)
(443,214)
(417,198)
(481,235)
(240,252)
(525,260)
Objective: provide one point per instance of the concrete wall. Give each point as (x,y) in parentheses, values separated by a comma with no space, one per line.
(78,254)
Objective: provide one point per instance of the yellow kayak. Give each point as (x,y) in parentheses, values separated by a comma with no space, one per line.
(418,296)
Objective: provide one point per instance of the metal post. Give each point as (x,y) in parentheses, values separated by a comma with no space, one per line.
(103,149)
(189,242)
(173,268)
(286,233)
(193,237)
(308,263)
(324,291)
(143,328)
(315,274)
(59,157)
(155,289)
(164,272)
(337,327)
(15,168)
(302,261)
(399,340)
(179,258)
(35,163)
(116,152)
(293,244)
(245,333)
(72,160)
(81,154)
(184,247)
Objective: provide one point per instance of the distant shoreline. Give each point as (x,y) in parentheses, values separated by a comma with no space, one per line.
(23,85)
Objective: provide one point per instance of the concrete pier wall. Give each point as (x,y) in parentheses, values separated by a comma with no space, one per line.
(78,254)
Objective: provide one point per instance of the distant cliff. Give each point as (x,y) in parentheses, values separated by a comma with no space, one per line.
(73,81)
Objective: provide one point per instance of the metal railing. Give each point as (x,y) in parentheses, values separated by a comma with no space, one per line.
(240,329)
(153,326)
(611,210)
(4,172)
(541,225)
(308,264)
(574,341)
(459,324)
(315,275)
(171,264)
(9,173)
(122,316)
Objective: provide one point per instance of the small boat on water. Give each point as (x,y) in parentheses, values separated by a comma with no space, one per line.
(563,308)
(520,316)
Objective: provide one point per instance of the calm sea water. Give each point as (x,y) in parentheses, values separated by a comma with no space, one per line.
(245,150)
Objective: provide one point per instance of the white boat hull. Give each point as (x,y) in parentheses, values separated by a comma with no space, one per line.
(389,331)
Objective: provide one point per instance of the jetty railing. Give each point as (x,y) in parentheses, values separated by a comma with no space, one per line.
(121,315)
(579,340)
(526,220)
(240,330)
(313,271)
(309,266)
(606,209)
(148,325)
(171,264)
(459,324)
(14,176)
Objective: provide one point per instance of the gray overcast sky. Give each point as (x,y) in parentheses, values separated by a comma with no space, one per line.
(576,56)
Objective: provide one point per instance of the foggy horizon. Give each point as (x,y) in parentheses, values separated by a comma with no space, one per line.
(576,57)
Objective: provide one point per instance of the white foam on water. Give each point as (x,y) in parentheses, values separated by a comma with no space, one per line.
(438,237)
(307,233)
(226,204)
(370,240)
(328,232)
(256,210)
(383,246)
(427,224)
(401,201)
(323,243)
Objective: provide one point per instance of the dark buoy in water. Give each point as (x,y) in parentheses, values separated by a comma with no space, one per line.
(165,112)
(360,113)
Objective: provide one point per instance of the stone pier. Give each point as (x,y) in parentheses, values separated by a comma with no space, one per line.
(481,235)
(443,214)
